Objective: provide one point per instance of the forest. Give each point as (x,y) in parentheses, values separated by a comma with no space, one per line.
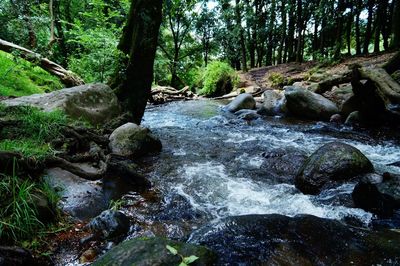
(199,132)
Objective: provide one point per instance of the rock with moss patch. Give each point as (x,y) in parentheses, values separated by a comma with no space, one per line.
(110,224)
(242,101)
(153,251)
(330,165)
(95,103)
(306,104)
(132,140)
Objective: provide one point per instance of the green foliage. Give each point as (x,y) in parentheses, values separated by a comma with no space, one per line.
(36,129)
(19,77)
(185,260)
(216,75)
(115,205)
(277,79)
(19,218)
(96,35)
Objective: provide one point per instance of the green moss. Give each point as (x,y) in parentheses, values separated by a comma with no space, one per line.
(277,79)
(217,79)
(18,77)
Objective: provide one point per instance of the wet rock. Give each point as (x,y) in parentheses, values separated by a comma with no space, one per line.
(46,212)
(377,194)
(88,256)
(354,119)
(274,103)
(96,103)
(110,224)
(336,118)
(330,165)
(242,101)
(132,140)
(284,164)
(175,207)
(80,198)
(301,240)
(119,166)
(306,104)
(16,256)
(247,115)
(153,251)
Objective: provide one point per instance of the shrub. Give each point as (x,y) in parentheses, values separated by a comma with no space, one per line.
(217,79)
(277,79)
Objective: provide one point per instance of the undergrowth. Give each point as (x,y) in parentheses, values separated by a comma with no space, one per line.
(19,77)
(20,219)
(217,78)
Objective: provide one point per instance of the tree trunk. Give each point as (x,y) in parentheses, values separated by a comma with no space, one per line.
(396,24)
(368,30)
(242,40)
(291,31)
(69,78)
(299,57)
(139,41)
(271,25)
(357,29)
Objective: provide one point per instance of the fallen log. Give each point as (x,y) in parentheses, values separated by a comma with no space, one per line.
(67,77)
(327,84)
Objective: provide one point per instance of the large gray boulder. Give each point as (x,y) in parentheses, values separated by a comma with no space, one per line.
(132,140)
(242,101)
(153,251)
(306,104)
(332,164)
(95,103)
(274,103)
(110,224)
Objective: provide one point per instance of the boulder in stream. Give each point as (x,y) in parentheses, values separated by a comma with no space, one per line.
(330,165)
(274,239)
(274,103)
(110,224)
(153,251)
(95,103)
(242,101)
(307,104)
(378,194)
(131,140)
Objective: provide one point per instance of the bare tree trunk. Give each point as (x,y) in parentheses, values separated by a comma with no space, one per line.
(242,40)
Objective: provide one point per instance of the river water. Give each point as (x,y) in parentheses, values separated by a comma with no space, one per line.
(215,161)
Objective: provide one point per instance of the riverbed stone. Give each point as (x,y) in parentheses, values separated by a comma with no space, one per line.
(284,163)
(247,115)
(330,165)
(274,103)
(95,103)
(110,224)
(132,140)
(153,251)
(306,104)
(16,256)
(378,194)
(242,101)
(274,239)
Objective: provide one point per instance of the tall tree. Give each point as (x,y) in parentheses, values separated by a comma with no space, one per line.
(396,24)
(238,12)
(139,43)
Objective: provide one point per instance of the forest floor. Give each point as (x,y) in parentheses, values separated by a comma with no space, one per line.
(264,77)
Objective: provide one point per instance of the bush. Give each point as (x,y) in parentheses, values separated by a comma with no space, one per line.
(217,79)
(277,79)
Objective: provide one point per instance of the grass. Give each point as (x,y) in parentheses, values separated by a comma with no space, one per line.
(27,147)
(19,77)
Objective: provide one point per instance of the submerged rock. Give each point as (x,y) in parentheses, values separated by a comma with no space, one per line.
(16,256)
(302,240)
(132,140)
(110,224)
(153,251)
(306,104)
(247,115)
(242,101)
(378,194)
(332,164)
(95,103)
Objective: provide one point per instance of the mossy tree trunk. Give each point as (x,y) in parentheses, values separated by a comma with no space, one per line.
(139,43)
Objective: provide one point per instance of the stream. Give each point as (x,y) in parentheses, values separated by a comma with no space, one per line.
(214,161)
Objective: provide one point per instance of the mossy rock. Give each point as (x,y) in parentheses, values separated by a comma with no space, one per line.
(152,252)
(330,165)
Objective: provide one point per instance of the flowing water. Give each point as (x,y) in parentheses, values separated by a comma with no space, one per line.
(215,161)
